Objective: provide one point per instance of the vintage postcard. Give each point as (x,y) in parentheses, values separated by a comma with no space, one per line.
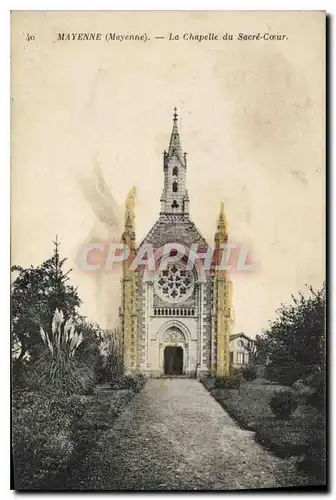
(168,193)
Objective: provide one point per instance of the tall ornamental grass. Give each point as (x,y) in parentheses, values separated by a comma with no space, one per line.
(60,367)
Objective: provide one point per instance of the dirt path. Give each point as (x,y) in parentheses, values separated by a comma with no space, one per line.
(174,435)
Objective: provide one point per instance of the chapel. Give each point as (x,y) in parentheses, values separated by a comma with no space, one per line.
(175,320)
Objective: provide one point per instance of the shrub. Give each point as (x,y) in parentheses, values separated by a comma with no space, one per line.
(237,372)
(317,400)
(314,460)
(59,366)
(208,382)
(19,374)
(128,382)
(249,372)
(317,382)
(62,374)
(109,361)
(228,382)
(283,404)
(284,438)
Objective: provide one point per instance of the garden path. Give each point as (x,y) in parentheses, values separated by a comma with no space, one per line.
(174,435)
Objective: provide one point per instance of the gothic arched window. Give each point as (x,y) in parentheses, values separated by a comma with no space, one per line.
(175,171)
(175,187)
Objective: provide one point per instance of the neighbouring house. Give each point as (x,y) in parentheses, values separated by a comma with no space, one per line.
(240,349)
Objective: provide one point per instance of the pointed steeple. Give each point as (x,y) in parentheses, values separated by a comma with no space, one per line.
(128,235)
(174,198)
(175,147)
(130,209)
(221,235)
(222,220)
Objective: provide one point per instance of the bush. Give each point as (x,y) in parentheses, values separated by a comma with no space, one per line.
(283,404)
(317,400)
(19,374)
(249,372)
(109,362)
(135,383)
(208,382)
(62,374)
(228,382)
(314,460)
(237,372)
(284,438)
(317,382)
(59,366)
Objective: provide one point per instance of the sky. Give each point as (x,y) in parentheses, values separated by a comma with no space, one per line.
(90,119)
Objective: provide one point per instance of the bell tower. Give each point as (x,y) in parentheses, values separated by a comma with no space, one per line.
(174,198)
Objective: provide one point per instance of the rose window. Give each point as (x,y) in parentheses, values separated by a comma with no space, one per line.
(175,283)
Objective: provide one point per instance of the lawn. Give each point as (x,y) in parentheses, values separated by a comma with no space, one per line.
(52,434)
(302,436)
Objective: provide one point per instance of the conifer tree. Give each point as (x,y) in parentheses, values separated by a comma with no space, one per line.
(36,293)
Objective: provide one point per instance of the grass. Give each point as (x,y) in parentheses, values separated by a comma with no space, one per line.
(53,433)
(302,436)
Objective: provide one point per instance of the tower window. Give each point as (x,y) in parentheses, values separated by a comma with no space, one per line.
(175,187)
(175,171)
(175,204)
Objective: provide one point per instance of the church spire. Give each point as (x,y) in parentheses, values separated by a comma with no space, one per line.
(129,232)
(221,235)
(222,221)
(174,199)
(175,147)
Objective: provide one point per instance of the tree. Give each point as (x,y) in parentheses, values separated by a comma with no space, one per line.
(36,293)
(295,341)
(258,350)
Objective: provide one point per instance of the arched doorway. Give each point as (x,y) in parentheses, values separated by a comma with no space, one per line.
(173,360)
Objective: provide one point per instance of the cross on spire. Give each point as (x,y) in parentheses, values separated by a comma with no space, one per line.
(175,147)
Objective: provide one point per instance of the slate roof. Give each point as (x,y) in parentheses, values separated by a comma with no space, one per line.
(174,229)
(237,335)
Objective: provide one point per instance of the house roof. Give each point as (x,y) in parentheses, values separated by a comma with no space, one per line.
(238,335)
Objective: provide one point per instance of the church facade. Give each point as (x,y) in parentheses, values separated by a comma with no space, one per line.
(175,318)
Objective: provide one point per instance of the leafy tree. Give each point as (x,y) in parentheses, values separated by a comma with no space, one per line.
(36,293)
(294,344)
(258,351)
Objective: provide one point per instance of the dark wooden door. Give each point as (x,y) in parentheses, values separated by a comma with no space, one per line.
(173,360)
